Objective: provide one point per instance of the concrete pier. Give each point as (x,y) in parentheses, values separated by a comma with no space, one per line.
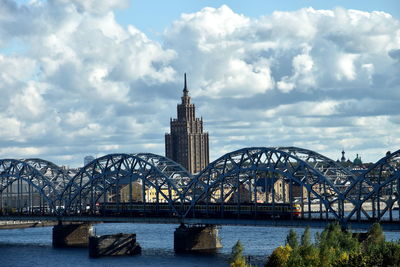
(113,245)
(72,235)
(196,239)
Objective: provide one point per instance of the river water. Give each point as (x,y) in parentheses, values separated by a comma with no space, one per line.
(32,246)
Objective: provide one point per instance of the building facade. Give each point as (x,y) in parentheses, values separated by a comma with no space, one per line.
(186,143)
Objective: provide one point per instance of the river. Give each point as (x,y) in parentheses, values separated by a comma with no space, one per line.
(32,246)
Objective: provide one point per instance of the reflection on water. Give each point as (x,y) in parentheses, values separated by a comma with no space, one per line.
(32,246)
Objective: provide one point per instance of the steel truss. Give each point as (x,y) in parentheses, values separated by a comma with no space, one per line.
(252,173)
(322,188)
(375,193)
(24,189)
(55,174)
(126,178)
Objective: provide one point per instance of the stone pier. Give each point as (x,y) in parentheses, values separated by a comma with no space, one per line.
(113,245)
(72,235)
(196,238)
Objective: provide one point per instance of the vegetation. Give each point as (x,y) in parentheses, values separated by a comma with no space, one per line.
(335,247)
(291,239)
(237,258)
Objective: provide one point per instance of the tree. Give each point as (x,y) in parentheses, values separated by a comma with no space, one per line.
(306,237)
(295,259)
(391,254)
(374,245)
(279,257)
(375,235)
(335,247)
(291,239)
(309,255)
(333,242)
(237,258)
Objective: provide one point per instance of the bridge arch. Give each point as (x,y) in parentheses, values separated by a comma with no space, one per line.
(24,189)
(252,169)
(126,178)
(175,172)
(339,175)
(55,174)
(375,193)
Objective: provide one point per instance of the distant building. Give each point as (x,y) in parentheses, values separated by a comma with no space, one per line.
(343,158)
(357,167)
(87,160)
(343,161)
(357,161)
(187,144)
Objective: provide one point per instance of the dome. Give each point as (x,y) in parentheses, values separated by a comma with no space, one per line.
(357,160)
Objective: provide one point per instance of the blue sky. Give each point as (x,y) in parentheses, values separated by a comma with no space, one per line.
(95,77)
(153,16)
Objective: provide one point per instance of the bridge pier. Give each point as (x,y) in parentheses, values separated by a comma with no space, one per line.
(72,235)
(196,239)
(113,245)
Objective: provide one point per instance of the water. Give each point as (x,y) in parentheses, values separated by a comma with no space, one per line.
(32,246)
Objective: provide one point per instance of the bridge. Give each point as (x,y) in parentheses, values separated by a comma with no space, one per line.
(251,186)
(262,186)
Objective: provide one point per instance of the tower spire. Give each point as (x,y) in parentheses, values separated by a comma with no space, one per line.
(185,90)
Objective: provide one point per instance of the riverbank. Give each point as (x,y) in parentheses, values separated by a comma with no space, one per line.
(24,224)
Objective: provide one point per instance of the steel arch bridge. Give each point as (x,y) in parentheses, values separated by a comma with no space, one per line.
(376,190)
(250,177)
(247,173)
(23,187)
(126,178)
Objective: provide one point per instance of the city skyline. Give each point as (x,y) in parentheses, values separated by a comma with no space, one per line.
(93,79)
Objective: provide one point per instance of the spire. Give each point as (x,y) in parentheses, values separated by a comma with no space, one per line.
(185,90)
(343,159)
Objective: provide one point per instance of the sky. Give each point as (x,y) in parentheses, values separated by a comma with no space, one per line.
(97,77)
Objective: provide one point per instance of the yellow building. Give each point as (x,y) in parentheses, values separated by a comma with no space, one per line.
(150,193)
(136,192)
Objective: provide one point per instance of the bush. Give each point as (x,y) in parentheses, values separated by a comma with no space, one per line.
(335,247)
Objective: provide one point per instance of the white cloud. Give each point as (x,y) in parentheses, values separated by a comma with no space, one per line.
(345,65)
(322,108)
(9,128)
(94,6)
(77,119)
(28,104)
(83,84)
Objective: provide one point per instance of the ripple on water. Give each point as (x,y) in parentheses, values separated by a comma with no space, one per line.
(32,246)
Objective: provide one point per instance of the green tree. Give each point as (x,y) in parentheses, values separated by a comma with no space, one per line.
(295,259)
(374,245)
(291,239)
(375,235)
(335,245)
(309,255)
(237,258)
(279,257)
(306,237)
(391,254)
(354,259)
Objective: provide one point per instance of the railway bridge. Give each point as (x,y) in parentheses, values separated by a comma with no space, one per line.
(251,186)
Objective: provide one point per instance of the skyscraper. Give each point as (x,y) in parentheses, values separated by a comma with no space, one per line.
(187,144)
